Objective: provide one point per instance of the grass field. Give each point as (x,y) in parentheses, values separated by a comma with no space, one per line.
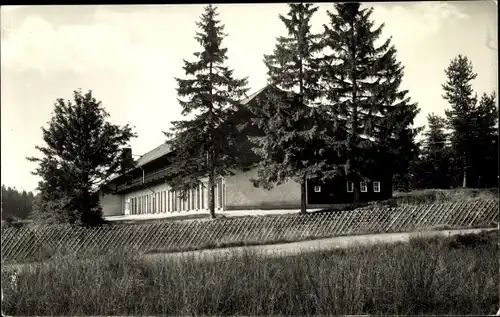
(444,195)
(457,275)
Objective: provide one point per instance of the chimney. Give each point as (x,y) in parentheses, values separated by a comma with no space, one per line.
(127,162)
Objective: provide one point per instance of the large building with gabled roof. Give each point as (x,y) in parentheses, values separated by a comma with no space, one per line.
(142,189)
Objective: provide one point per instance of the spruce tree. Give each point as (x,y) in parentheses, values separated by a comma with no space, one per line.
(203,143)
(361,84)
(485,151)
(435,164)
(286,118)
(461,117)
(82,151)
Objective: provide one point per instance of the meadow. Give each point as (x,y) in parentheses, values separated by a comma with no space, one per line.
(455,275)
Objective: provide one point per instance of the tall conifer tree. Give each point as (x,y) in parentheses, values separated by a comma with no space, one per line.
(434,165)
(287,120)
(210,95)
(362,97)
(487,141)
(463,115)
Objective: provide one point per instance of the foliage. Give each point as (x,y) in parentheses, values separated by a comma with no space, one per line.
(81,152)
(290,147)
(486,144)
(435,168)
(372,116)
(16,204)
(473,125)
(203,144)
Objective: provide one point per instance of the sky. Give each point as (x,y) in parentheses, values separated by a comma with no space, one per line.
(129,56)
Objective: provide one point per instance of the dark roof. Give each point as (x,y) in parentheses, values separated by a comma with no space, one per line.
(253,96)
(154,154)
(165,149)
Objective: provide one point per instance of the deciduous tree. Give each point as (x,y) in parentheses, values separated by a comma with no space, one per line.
(82,151)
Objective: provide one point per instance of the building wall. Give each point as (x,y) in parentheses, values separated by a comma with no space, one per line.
(241,194)
(155,199)
(335,191)
(111,204)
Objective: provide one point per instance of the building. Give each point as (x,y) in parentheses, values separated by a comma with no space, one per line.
(143,188)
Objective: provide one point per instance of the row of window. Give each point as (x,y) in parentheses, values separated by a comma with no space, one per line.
(169,201)
(350,187)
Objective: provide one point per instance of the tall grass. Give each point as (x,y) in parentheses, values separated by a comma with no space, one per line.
(426,276)
(427,196)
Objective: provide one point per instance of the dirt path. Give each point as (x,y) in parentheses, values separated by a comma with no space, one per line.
(285,249)
(316,245)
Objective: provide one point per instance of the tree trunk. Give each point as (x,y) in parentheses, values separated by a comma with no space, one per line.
(464,181)
(211,185)
(211,156)
(303,196)
(303,193)
(354,121)
(356,198)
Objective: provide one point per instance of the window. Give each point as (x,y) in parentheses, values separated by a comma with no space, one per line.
(161,201)
(202,196)
(223,195)
(221,191)
(153,201)
(317,189)
(127,206)
(164,205)
(169,200)
(220,194)
(363,186)
(350,187)
(215,194)
(163,209)
(198,197)
(190,200)
(175,199)
(170,203)
(193,199)
(376,187)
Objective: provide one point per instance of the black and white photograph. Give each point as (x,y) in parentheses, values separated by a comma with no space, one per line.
(251,159)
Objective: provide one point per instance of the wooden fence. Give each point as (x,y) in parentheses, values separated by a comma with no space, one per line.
(38,241)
